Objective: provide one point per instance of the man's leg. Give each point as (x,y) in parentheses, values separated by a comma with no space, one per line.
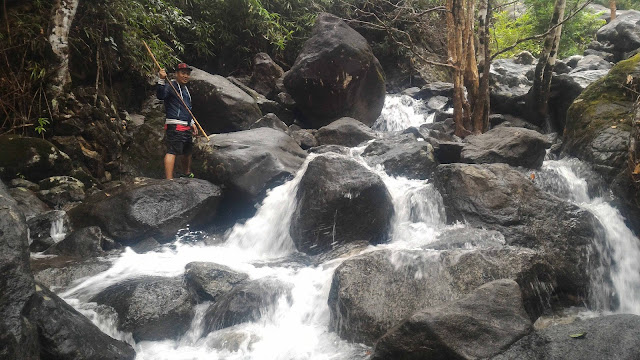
(169,162)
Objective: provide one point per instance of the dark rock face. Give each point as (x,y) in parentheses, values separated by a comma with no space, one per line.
(271,121)
(623,33)
(266,74)
(157,208)
(18,335)
(509,145)
(498,120)
(336,75)
(606,337)
(565,89)
(219,105)
(152,308)
(250,162)
(510,83)
(59,272)
(33,158)
(480,325)
(67,334)
(40,228)
(374,292)
(403,155)
(60,190)
(85,242)
(246,302)
(339,201)
(28,202)
(496,197)
(210,282)
(344,131)
(437,88)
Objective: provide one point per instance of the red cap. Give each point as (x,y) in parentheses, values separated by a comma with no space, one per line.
(183,66)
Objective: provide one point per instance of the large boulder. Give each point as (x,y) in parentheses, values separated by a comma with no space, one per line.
(250,162)
(33,158)
(219,105)
(82,243)
(623,33)
(151,308)
(402,155)
(209,281)
(67,334)
(373,292)
(336,75)
(497,197)
(344,131)
(59,272)
(266,75)
(339,201)
(509,145)
(157,208)
(18,335)
(598,132)
(606,337)
(480,325)
(27,201)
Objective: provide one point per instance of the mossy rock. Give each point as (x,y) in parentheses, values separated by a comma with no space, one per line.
(603,108)
(32,158)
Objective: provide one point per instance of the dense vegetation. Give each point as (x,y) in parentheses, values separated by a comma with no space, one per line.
(222,37)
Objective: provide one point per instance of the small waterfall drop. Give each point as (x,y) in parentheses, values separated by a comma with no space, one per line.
(58,232)
(400,112)
(559,177)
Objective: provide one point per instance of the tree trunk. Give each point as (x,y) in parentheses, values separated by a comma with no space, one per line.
(62,17)
(612,7)
(539,93)
(480,116)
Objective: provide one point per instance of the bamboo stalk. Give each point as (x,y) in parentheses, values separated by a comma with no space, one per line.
(176,91)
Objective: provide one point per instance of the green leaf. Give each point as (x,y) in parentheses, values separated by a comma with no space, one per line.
(578,335)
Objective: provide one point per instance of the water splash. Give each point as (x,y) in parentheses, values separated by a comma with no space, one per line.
(401,112)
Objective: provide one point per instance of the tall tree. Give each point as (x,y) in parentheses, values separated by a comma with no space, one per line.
(539,93)
(62,17)
(612,7)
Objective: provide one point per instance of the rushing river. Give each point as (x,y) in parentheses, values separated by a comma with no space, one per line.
(298,325)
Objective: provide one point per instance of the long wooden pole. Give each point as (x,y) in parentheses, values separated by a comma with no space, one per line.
(176,91)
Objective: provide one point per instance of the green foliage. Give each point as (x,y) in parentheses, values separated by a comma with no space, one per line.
(42,124)
(576,33)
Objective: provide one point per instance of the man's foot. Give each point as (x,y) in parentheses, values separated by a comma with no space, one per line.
(189,175)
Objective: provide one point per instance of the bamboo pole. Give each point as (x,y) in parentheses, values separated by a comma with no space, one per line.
(176,91)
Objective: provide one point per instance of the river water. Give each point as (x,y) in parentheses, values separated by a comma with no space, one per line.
(297,326)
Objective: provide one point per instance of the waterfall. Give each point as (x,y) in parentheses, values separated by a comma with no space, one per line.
(400,112)
(57,231)
(622,249)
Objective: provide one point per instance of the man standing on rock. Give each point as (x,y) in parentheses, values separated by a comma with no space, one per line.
(179,124)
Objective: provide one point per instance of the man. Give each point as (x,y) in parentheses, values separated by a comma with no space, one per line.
(179,124)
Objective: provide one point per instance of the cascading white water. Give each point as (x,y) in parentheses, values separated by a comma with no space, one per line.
(560,178)
(298,326)
(58,232)
(400,112)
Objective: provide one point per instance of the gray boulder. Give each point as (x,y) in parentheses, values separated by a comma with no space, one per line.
(28,202)
(148,207)
(497,197)
(250,162)
(248,301)
(336,75)
(510,83)
(67,334)
(266,75)
(606,337)
(480,325)
(210,282)
(402,155)
(59,272)
(270,120)
(437,88)
(58,191)
(509,145)
(592,62)
(373,292)
(151,308)
(344,131)
(339,201)
(623,33)
(219,105)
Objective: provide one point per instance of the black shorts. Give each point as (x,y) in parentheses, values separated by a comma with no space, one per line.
(178,142)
